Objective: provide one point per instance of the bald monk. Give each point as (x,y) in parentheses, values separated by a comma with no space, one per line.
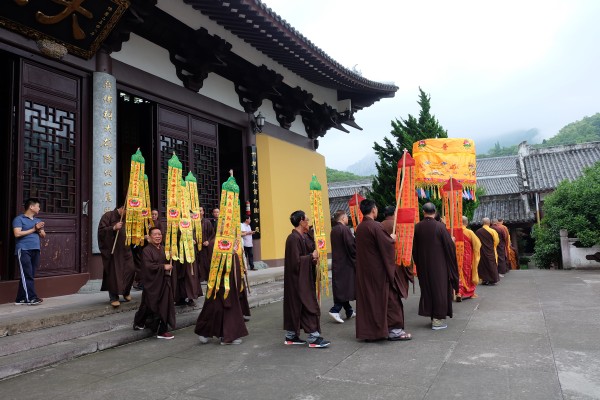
(469,276)
(488,263)
(501,250)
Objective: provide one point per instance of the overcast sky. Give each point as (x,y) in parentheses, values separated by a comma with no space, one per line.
(491,68)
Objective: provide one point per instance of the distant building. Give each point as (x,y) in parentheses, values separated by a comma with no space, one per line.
(516,186)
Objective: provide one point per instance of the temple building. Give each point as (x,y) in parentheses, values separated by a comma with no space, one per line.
(223,84)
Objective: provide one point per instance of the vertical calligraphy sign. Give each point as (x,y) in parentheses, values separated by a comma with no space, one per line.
(253,185)
(104,149)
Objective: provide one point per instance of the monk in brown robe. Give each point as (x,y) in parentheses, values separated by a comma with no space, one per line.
(119,270)
(434,253)
(378,291)
(300,306)
(503,262)
(510,250)
(204,255)
(469,276)
(157,297)
(343,267)
(488,263)
(222,317)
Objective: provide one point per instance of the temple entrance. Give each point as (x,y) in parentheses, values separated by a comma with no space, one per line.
(41,156)
(232,156)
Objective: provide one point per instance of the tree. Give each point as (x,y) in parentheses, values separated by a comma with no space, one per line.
(334,175)
(573,206)
(404,134)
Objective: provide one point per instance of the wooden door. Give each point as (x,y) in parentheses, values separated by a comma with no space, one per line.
(49,154)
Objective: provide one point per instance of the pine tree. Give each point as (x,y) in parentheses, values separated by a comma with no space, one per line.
(404,133)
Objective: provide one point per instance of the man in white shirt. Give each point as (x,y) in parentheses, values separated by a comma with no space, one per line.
(247,233)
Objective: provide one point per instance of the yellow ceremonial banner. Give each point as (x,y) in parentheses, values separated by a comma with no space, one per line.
(438,160)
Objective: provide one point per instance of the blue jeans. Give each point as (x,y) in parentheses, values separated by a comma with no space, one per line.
(29,261)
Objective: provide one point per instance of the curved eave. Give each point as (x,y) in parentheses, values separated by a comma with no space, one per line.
(258,25)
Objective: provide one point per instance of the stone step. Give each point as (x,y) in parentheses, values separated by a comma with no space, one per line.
(64,310)
(38,349)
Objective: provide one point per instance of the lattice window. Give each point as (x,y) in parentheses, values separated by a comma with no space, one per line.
(205,169)
(49,159)
(168,145)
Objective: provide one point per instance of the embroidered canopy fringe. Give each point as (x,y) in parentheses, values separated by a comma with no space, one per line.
(407,214)
(173,207)
(316,202)
(136,210)
(227,240)
(354,206)
(439,159)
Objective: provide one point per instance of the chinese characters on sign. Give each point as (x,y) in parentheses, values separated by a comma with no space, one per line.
(254,198)
(79,25)
(106,144)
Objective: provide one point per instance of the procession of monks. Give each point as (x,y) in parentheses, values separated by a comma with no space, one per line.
(363,269)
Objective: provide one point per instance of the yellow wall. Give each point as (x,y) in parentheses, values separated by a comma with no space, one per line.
(284,173)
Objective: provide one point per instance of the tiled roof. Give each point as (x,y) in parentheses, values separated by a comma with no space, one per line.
(497,166)
(545,168)
(341,192)
(510,208)
(338,204)
(502,185)
(258,25)
(348,188)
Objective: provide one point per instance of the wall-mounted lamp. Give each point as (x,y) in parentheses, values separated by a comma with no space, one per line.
(257,122)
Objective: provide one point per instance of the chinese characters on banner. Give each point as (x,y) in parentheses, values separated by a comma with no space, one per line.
(254,198)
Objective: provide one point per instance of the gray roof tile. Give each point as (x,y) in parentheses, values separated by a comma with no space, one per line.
(496,166)
(502,185)
(546,168)
(510,208)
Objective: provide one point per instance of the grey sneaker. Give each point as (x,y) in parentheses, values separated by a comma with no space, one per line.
(236,341)
(437,324)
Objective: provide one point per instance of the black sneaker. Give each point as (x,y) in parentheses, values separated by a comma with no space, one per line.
(21,303)
(294,340)
(319,342)
(35,302)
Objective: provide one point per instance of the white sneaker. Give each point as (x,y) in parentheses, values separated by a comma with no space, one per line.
(501,275)
(336,317)
(353,315)
(236,341)
(203,339)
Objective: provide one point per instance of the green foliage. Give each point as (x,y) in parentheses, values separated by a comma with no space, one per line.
(586,130)
(499,151)
(574,207)
(334,175)
(404,134)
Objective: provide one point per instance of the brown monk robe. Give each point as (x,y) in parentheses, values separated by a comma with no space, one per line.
(188,283)
(343,267)
(119,269)
(157,297)
(204,255)
(222,317)
(488,263)
(300,306)
(378,288)
(503,261)
(510,250)
(434,254)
